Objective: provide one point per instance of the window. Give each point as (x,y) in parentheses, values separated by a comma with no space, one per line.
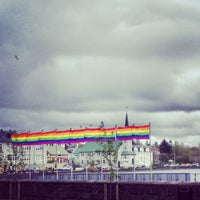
(38,158)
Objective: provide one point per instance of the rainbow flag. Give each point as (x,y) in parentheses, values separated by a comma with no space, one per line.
(81,135)
(133,132)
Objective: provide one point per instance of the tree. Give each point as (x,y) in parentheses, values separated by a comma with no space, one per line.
(19,154)
(165,151)
(180,153)
(109,152)
(165,147)
(186,154)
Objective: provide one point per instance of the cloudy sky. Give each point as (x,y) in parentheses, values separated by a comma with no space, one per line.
(71,63)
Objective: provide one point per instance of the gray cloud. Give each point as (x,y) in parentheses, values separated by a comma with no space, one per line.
(81,62)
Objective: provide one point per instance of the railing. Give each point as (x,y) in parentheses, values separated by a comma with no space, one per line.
(95,176)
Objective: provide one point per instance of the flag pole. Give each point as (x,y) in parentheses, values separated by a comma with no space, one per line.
(29,148)
(57,176)
(42,160)
(150,151)
(117,151)
(29,162)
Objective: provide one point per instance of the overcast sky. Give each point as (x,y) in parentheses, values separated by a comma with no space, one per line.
(71,63)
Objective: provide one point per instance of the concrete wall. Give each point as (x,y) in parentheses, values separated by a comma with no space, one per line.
(60,190)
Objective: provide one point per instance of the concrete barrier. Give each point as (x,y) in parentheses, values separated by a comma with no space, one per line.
(87,190)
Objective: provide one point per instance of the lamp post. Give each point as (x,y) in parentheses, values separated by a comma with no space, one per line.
(134,154)
(43,162)
(174,158)
(101,168)
(56,161)
(86,170)
(29,162)
(71,167)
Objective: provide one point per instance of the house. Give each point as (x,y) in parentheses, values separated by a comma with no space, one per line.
(7,157)
(129,155)
(5,136)
(56,156)
(91,154)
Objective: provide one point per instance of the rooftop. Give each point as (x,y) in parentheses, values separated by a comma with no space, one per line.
(56,149)
(91,147)
(5,135)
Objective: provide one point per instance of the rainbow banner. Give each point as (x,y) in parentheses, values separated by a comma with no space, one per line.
(81,135)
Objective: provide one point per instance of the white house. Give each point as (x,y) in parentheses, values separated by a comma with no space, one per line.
(86,154)
(135,155)
(129,155)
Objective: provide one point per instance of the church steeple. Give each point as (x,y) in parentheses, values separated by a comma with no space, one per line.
(126,119)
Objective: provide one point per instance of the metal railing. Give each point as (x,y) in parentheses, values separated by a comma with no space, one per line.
(96,176)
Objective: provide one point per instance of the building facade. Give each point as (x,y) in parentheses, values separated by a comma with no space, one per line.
(129,155)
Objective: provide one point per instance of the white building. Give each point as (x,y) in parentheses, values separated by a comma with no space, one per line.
(85,154)
(133,155)
(35,156)
(129,155)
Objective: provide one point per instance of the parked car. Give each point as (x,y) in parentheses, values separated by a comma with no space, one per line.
(79,168)
(28,170)
(142,167)
(93,169)
(66,168)
(98,167)
(105,169)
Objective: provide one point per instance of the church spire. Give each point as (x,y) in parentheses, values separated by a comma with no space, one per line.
(126,119)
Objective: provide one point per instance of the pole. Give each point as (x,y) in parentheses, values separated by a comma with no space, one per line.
(150,151)
(117,153)
(101,165)
(134,166)
(174,158)
(86,170)
(71,168)
(15,155)
(42,162)
(30,162)
(56,161)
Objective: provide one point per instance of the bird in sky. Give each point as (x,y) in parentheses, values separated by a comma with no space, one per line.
(16,57)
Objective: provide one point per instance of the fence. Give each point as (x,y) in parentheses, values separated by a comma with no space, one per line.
(93,176)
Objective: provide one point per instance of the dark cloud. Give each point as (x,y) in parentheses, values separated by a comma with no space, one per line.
(81,62)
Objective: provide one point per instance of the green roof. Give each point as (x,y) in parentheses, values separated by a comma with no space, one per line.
(53,150)
(90,147)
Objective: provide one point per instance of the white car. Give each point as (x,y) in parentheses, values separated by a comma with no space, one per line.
(79,168)
(66,167)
